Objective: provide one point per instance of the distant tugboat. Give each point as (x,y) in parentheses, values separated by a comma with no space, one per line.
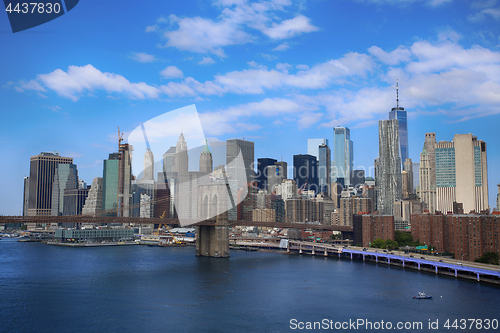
(422,295)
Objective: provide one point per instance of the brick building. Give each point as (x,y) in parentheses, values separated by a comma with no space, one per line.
(373,227)
(467,236)
(302,210)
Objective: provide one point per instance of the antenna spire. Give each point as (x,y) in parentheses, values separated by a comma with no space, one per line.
(397,94)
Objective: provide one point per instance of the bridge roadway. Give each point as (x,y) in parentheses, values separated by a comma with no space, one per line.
(438,265)
(169,221)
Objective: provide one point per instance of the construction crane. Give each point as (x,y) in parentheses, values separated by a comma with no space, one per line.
(302,188)
(120,137)
(168,229)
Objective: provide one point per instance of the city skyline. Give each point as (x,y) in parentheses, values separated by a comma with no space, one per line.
(263,73)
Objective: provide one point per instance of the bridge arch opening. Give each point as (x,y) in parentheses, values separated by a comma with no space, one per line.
(213,206)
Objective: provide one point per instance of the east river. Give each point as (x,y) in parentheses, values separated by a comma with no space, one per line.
(153,289)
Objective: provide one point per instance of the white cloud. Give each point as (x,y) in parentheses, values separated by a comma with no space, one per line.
(282,47)
(432,3)
(484,14)
(232,27)
(268,57)
(171,72)
(230,120)
(308,119)
(78,79)
(257,80)
(142,57)
(395,57)
(289,28)
(204,36)
(254,81)
(206,61)
(354,88)
(438,2)
(174,89)
(254,64)
(283,67)
(438,57)
(30,85)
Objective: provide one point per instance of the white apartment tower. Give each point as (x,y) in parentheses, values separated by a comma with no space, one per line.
(461,174)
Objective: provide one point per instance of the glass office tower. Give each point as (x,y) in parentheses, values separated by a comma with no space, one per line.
(342,155)
(400,114)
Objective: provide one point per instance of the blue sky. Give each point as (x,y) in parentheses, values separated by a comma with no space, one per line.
(275,72)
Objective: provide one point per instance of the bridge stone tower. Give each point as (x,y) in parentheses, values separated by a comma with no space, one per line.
(214,202)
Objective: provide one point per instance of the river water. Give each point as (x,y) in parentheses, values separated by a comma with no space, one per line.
(153,289)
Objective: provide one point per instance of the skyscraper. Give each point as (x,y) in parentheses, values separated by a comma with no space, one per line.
(74,201)
(110,185)
(283,166)
(206,162)
(26,195)
(324,162)
(234,169)
(400,114)
(263,165)
(407,178)
(461,174)
(65,178)
(305,171)
(93,204)
(149,165)
(124,179)
(169,162)
(427,173)
(275,175)
(498,197)
(182,198)
(388,167)
(342,156)
(181,161)
(42,171)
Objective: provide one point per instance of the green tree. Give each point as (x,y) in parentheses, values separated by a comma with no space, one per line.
(390,244)
(488,258)
(378,243)
(404,238)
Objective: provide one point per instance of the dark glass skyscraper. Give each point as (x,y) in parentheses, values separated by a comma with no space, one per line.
(305,170)
(400,114)
(263,173)
(324,163)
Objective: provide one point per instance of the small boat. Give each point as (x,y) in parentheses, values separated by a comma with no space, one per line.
(422,295)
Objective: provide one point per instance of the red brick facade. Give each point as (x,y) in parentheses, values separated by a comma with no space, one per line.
(467,236)
(377,226)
